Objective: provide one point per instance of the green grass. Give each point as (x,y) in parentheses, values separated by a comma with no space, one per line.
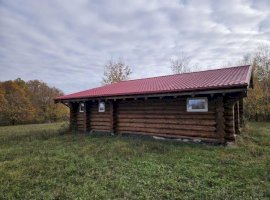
(40,162)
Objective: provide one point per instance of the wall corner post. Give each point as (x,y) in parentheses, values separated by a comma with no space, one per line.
(241,112)
(73,116)
(88,115)
(237,118)
(220,120)
(113,117)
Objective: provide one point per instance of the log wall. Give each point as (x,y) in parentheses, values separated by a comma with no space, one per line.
(100,121)
(81,121)
(162,117)
(165,117)
(77,119)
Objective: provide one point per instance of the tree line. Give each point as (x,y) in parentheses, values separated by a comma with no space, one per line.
(29,102)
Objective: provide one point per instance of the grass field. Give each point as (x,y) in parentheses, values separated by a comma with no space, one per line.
(45,162)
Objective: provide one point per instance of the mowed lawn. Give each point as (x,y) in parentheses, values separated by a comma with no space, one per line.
(46,162)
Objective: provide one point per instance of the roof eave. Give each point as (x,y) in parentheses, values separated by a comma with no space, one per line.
(228,89)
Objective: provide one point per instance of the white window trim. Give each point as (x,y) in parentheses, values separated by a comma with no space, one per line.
(82,107)
(198,110)
(99,110)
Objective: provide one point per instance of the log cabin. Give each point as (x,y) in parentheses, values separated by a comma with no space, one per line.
(205,105)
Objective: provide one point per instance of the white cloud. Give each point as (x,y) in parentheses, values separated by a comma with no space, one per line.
(67,43)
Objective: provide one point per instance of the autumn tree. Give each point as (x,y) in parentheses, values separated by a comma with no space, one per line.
(42,96)
(254,105)
(116,71)
(257,102)
(3,105)
(29,102)
(261,63)
(17,108)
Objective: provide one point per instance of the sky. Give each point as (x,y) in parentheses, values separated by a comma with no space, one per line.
(66,43)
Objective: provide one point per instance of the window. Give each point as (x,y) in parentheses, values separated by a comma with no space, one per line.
(101,107)
(81,107)
(199,104)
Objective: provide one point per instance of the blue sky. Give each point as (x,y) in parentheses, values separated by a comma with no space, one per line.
(66,43)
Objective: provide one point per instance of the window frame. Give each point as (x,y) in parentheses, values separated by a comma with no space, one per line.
(197,110)
(99,106)
(82,107)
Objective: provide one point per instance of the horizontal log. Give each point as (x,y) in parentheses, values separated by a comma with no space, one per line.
(103,119)
(100,116)
(173,112)
(152,101)
(81,119)
(163,109)
(170,121)
(168,104)
(160,104)
(142,105)
(167,126)
(100,123)
(100,130)
(100,113)
(99,127)
(81,124)
(81,127)
(155,116)
(152,108)
(169,132)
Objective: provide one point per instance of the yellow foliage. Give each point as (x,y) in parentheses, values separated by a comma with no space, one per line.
(19,103)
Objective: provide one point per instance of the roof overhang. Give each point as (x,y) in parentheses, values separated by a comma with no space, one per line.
(158,95)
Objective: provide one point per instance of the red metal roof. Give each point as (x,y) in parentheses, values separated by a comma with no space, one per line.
(204,80)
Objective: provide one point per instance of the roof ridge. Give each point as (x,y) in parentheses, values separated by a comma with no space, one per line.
(217,69)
